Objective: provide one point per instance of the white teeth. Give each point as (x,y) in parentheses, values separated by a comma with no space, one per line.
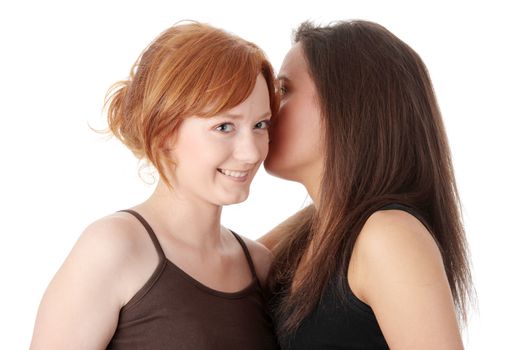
(234,173)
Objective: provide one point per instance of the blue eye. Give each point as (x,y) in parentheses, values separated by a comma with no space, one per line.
(263,124)
(225,127)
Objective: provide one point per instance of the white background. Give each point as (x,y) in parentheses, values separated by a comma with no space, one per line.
(57,60)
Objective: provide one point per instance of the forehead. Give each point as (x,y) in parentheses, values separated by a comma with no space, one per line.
(294,63)
(257,102)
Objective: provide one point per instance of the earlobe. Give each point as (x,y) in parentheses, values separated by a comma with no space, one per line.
(169,146)
(168,152)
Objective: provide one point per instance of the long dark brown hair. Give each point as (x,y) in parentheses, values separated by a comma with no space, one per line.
(385,143)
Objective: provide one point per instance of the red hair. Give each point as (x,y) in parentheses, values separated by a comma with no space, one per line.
(188,70)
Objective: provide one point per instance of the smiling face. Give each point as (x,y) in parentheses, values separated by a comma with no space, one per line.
(296,136)
(216,158)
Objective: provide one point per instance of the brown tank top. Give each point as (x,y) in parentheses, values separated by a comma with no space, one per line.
(175,311)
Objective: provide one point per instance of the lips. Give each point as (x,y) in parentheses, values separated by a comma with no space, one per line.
(233,173)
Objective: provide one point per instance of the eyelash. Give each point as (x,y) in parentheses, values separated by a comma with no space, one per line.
(218,127)
(268,123)
(282,87)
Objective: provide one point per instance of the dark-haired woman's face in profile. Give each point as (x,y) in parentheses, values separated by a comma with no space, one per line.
(296,148)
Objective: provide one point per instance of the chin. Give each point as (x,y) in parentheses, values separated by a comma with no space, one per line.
(273,169)
(234,199)
(269,166)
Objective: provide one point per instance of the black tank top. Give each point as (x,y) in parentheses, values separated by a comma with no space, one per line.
(175,311)
(335,324)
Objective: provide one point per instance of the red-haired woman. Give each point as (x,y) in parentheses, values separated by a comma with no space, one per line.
(165,274)
(380,259)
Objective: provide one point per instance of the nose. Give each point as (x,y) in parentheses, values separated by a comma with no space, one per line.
(250,147)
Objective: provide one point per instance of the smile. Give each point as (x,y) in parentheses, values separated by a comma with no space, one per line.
(234,173)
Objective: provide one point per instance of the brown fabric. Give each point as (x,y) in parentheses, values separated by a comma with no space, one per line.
(175,311)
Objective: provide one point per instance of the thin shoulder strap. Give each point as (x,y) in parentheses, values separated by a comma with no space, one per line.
(246,253)
(148,228)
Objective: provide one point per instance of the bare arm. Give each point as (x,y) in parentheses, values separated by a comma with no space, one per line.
(397,269)
(272,238)
(80,307)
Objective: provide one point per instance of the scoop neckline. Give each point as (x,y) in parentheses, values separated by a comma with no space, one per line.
(229,295)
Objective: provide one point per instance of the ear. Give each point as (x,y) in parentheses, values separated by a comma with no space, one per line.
(168,155)
(168,165)
(170,142)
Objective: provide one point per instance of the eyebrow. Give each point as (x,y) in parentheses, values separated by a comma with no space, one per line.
(238,116)
(283,77)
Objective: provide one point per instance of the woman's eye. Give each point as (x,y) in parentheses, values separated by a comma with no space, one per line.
(263,124)
(226,127)
(282,89)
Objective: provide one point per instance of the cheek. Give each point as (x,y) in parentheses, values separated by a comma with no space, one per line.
(299,131)
(263,146)
(198,156)
(295,140)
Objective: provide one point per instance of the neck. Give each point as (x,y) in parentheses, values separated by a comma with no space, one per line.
(312,183)
(189,219)
(312,187)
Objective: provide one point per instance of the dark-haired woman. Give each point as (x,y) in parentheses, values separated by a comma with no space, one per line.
(380,259)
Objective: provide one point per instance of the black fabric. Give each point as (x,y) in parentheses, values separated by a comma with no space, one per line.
(338,322)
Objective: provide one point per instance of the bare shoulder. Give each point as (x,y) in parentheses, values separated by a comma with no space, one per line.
(397,269)
(103,270)
(115,237)
(109,249)
(115,252)
(262,258)
(395,243)
(396,232)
